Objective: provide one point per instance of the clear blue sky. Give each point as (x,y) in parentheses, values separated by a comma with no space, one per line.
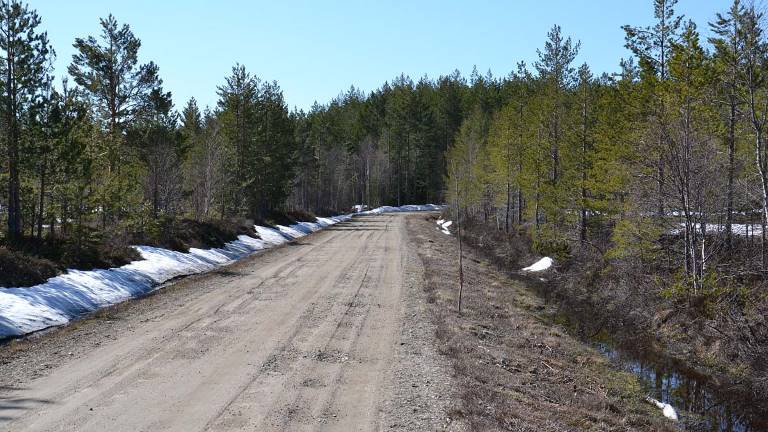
(316,49)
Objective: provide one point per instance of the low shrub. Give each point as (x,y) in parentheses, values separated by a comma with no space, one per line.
(20,270)
(181,235)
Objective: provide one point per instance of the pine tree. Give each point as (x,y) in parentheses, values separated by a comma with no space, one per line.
(73,177)
(26,57)
(114,80)
(586,102)
(615,151)
(557,75)
(467,162)
(508,145)
(557,78)
(653,45)
(728,60)
(277,151)
(754,90)
(689,154)
(399,135)
(118,88)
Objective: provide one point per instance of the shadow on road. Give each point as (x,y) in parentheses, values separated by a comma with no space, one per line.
(19,404)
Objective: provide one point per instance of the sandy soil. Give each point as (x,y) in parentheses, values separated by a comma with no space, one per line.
(327,333)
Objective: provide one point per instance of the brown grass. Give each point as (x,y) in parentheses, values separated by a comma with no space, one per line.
(517,369)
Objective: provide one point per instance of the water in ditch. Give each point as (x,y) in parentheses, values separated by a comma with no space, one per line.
(700,405)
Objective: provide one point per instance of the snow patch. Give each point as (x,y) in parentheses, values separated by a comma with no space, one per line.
(443,226)
(540,265)
(666,409)
(736,229)
(405,208)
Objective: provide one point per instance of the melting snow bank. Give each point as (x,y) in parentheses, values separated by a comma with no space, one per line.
(71,295)
(665,408)
(540,265)
(405,208)
(736,229)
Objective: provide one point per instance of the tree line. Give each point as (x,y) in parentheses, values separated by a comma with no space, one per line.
(105,149)
(664,162)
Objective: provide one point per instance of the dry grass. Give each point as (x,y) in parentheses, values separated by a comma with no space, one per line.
(518,370)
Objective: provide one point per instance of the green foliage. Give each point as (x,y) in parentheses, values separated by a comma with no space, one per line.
(17,269)
(468,161)
(635,237)
(610,163)
(24,71)
(706,299)
(548,243)
(109,72)
(260,131)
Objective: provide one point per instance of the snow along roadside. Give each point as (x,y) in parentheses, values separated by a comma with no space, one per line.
(69,296)
(405,208)
(75,293)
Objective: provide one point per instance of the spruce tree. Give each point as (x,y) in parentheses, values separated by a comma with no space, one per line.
(238,100)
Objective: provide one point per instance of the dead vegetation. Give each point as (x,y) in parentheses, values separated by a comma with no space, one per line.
(182,234)
(518,370)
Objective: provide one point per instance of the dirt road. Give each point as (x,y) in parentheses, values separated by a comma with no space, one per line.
(310,336)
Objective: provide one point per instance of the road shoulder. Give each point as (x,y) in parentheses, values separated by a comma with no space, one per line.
(421,392)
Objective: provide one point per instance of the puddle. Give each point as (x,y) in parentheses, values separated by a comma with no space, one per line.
(701,407)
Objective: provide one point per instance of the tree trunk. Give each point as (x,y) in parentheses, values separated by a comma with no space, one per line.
(14,186)
(519,192)
(458,235)
(660,170)
(506,214)
(43,171)
(731,173)
(763,170)
(509,189)
(763,251)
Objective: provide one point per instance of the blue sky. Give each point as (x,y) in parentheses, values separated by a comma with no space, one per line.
(316,49)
